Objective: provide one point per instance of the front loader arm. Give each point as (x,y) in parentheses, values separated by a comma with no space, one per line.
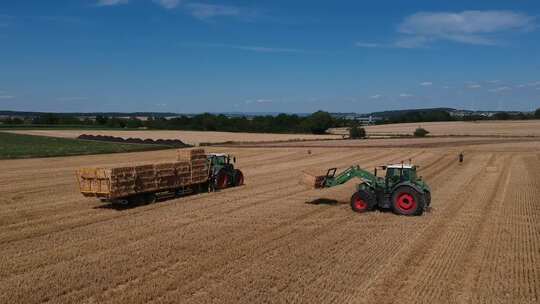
(332,179)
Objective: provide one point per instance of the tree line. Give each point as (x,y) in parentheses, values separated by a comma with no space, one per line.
(316,123)
(442,115)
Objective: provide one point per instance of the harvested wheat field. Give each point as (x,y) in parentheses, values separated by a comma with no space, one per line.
(275,241)
(515,128)
(189,137)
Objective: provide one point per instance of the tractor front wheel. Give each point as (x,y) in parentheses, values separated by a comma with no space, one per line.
(362,201)
(238,178)
(407,201)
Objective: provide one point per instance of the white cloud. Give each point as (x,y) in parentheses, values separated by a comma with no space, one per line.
(500,89)
(426,83)
(168,4)
(405,95)
(376,96)
(474,86)
(534,84)
(521,86)
(7,96)
(469,27)
(446,87)
(493,81)
(205,11)
(111,2)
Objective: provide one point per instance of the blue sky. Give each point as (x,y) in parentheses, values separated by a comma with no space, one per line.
(268,56)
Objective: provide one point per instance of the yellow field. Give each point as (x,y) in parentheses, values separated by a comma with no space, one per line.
(273,240)
(456,128)
(495,128)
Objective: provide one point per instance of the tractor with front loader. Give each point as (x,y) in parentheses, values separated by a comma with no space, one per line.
(400,190)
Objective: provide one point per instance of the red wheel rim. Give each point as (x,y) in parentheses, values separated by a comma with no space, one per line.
(222,181)
(359,204)
(406,202)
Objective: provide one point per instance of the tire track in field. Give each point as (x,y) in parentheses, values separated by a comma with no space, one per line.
(507,269)
(438,271)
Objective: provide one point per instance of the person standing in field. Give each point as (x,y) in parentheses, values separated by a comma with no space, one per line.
(460,157)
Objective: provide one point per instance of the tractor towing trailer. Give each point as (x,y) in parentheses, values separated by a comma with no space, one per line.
(193,172)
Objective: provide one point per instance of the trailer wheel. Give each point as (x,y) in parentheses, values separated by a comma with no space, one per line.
(238,178)
(123,202)
(149,198)
(362,201)
(407,201)
(222,180)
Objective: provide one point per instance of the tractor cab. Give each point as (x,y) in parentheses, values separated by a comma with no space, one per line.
(399,173)
(220,159)
(222,171)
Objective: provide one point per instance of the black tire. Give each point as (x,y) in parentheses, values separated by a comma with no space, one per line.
(238,178)
(222,180)
(427,196)
(408,201)
(150,198)
(362,201)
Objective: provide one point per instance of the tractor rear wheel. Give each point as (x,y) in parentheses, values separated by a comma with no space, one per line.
(407,201)
(222,180)
(238,178)
(362,201)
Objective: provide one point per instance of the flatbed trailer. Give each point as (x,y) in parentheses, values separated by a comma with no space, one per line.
(194,171)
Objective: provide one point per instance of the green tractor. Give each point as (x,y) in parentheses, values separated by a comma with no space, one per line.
(401,190)
(222,172)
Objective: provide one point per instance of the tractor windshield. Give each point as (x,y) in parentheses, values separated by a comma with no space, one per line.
(406,174)
(219,160)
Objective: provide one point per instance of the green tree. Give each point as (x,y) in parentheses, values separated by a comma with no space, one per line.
(501,116)
(319,122)
(420,132)
(134,123)
(537,113)
(357,132)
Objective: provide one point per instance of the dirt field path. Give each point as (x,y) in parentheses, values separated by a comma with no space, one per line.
(274,240)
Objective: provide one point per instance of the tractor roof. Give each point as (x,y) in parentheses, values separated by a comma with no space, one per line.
(218,154)
(399,166)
